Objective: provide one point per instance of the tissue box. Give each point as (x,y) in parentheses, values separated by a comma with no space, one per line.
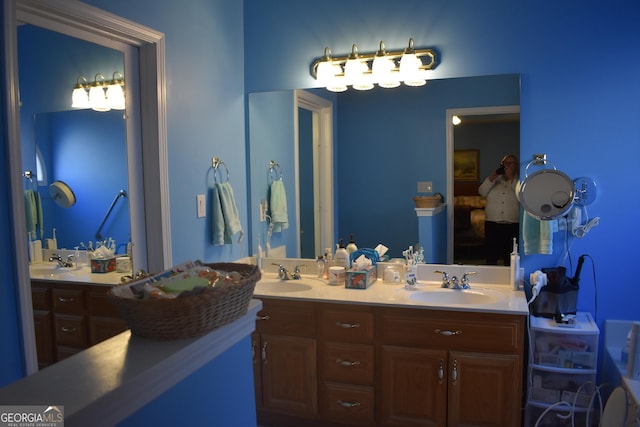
(360,279)
(103,265)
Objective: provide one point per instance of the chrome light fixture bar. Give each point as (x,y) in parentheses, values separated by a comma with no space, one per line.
(386,69)
(101,95)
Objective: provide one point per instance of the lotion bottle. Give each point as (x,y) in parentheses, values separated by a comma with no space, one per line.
(351,247)
(515,266)
(342,256)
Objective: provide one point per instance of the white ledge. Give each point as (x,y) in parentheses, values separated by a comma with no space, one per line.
(113,379)
(430,211)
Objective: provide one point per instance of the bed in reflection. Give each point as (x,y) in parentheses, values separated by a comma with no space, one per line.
(468,223)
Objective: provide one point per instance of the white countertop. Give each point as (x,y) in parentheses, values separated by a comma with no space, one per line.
(395,295)
(615,336)
(113,379)
(49,271)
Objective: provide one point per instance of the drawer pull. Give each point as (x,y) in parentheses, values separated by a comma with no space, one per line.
(347,363)
(441,371)
(68,329)
(263,317)
(66,299)
(454,372)
(446,333)
(263,352)
(347,404)
(348,325)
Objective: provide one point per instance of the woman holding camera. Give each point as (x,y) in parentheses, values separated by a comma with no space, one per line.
(502,212)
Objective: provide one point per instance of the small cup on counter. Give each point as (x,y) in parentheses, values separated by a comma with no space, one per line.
(336,275)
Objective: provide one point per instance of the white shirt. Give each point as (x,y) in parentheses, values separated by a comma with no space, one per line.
(502,203)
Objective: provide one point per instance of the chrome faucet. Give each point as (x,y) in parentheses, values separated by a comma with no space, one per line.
(453,282)
(296,271)
(62,263)
(283,273)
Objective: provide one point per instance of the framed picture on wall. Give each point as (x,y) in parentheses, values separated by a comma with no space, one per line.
(465,165)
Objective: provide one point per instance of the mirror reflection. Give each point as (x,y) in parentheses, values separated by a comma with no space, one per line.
(85,149)
(388,141)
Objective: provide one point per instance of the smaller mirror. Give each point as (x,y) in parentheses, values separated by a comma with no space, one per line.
(62,194)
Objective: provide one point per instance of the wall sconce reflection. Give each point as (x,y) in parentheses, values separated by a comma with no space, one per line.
(101,95)
(363,71)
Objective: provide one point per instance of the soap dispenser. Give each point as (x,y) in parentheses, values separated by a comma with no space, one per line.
(515,266)
(342,256)
(351,247)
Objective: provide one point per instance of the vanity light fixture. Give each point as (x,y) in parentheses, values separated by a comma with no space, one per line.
(101,95)
(386,69)
(80,95)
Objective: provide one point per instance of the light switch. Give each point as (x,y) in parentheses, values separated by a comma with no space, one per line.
(202,208)
(425,186)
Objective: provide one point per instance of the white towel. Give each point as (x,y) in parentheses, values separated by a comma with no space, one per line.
(278,206)
(537,235)
(225,221)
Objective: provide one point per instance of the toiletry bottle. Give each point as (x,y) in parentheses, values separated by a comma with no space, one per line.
(342,256)
(320,262)
(327,263)
(259,257)
(515,266)
(351,247)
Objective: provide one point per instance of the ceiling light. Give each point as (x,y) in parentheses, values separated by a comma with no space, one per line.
(455,120)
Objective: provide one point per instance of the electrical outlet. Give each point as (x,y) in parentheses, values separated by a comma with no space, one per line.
(201,206)
(425,187)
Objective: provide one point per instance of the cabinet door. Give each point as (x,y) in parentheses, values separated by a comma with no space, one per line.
(413,387)
(289,381)
(44,337)
(103,328)
(257,367)
(484,389)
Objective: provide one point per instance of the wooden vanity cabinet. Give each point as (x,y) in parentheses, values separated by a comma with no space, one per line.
(285,360)
(69,317)
(449,368)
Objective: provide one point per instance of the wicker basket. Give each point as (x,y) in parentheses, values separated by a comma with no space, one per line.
(191,316)
(427,201)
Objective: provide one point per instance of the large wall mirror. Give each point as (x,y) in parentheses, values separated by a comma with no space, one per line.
(388,140)
(84,148)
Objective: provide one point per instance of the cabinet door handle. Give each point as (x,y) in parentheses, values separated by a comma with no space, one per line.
(346,404)
(441,371)
(454,372)
(263,317)
(263,352)
(66,299)
(446,333)
(347,325)
(347,363)
(68,329)
(253,351)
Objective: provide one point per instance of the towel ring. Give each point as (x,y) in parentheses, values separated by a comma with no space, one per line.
(275,172)
(216,163)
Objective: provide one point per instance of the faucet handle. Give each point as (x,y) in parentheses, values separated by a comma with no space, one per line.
(445,278)
(465,279)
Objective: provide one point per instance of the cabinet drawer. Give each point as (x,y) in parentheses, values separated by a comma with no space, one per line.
(348,404)
(41,297)
(453,330)
(287,318)
(71,331)
(350,325)
(69,301)
(348,363)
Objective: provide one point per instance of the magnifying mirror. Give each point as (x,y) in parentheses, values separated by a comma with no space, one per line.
(546,194)
(62,194)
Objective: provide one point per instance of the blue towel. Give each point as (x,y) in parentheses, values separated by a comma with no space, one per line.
(225,221)
(537,235)
(278,206)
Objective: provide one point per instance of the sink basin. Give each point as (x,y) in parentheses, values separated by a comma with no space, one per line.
(277,285)
(442,296)
(50,269)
